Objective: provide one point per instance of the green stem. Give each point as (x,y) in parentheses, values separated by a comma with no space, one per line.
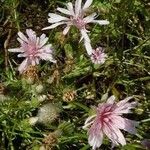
(81,106)
(145,120)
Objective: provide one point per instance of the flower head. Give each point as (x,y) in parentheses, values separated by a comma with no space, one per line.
(33,48)
(75,16)
(98,56)
(108,120)
(146,143)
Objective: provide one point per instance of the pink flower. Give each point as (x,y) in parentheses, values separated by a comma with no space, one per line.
(75,17)
(146,143)
(33,48)
(98,56)
(108,120)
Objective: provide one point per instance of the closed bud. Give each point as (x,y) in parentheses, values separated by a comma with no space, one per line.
(30,75)
(69,95)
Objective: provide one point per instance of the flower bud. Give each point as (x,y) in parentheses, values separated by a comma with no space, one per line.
(39,89)
(48,113)
(41,98)
(33,120)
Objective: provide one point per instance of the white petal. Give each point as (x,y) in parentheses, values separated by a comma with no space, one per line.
(123,102)
(33,62)
(70,8)
(95,140)
(101,22)
(78,7)
(89,121)
(111,99)
(37,61)
(37,41)
(43,41)
(23,66)
(120,136)
(31,34)
(124,106)
(65,31)
(124,109)
(85,35)
(43,36)
(110,134)
(46,49)
(88,47)
(45,56)
(87,4)
(124,124)
(54,25)
(15,50)
(89,18)
(22,55)
(114,134)
(56,18)
(22,36)
(21,41)
(64,11)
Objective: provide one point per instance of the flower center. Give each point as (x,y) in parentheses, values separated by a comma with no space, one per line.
(32,51)
(78,22)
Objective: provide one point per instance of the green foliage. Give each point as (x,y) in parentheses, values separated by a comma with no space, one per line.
(125,73)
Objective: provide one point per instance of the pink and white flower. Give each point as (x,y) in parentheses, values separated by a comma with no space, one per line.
(108,120)
(33,48)
(75,17)
(98,56)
